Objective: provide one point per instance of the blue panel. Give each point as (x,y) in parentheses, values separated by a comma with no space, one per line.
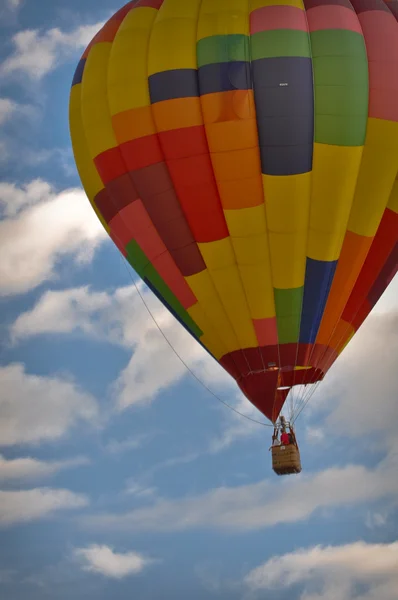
(284,96)
(177,83)
(78,77)
(318,280)
(224,77)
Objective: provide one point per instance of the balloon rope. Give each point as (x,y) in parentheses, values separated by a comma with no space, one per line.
(181,359)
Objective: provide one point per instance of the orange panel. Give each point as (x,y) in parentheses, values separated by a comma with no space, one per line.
(353,254)
(178,113)
(133,124)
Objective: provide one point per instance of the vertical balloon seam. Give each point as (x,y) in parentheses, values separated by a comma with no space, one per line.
(155,96)
(270,49)
(335,33)
(377,126)
(214,60)
(198,334)
(187,323)
(216,63)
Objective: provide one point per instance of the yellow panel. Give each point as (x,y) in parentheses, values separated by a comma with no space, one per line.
(259,290)
(254,4)
(376,177)
(288,259)
(287,200)
(253,250)
(89,175)
(229,287)
(176,21)
(212,347)
(334,178)
(393,201)
(203,288)
(217,255)
(246,221)
(218,17)
(86,168)
(127,78)
(209,338)
(182,9)
(95,108)
(252,255)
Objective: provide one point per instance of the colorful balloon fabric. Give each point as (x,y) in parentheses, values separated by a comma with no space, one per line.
(243,155)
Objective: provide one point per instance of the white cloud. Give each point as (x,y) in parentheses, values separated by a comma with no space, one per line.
(105,561)
(333,573)
(359,396)
(30,468)
(42,227)
(38,53)
(13,5)
(260,505)
(13,199)
(7,108)
(122,318)
(30,505)
(9,10)
(117,447)
(35,409)
(10,109)
(139,491)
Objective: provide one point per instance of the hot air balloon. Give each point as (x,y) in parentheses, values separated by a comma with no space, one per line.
(243,155)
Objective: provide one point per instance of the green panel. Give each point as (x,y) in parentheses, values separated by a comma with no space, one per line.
(338,42)
(341,87)
(280,42)
(153,276)
(146,270)
(137,258)
(288,305)
(223,49)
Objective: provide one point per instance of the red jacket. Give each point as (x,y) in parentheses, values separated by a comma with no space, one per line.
(285,439)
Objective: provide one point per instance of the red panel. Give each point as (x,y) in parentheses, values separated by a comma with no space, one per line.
(269,18)
(380,31)
(260,389)
(166,267)
(182,143)
(333,17)
(110,165)
(379,252)
(142,152)
(266,331)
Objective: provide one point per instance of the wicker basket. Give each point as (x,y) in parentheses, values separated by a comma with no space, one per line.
(286,459)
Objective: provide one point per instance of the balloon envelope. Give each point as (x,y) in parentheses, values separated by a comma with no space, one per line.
(243,155)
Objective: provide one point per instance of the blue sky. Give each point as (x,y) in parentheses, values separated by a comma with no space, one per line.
(119,473)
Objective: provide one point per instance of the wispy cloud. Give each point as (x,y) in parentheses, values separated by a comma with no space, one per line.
(36,409)
(332,572)
(122,318)
(42,226)
(105,561)
(30,505)
(36,53)
(259,505)
(20,469)
(359,396)
(9,10)
(117,447)
(10,108)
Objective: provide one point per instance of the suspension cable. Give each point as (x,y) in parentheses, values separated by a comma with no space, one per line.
(180,357)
